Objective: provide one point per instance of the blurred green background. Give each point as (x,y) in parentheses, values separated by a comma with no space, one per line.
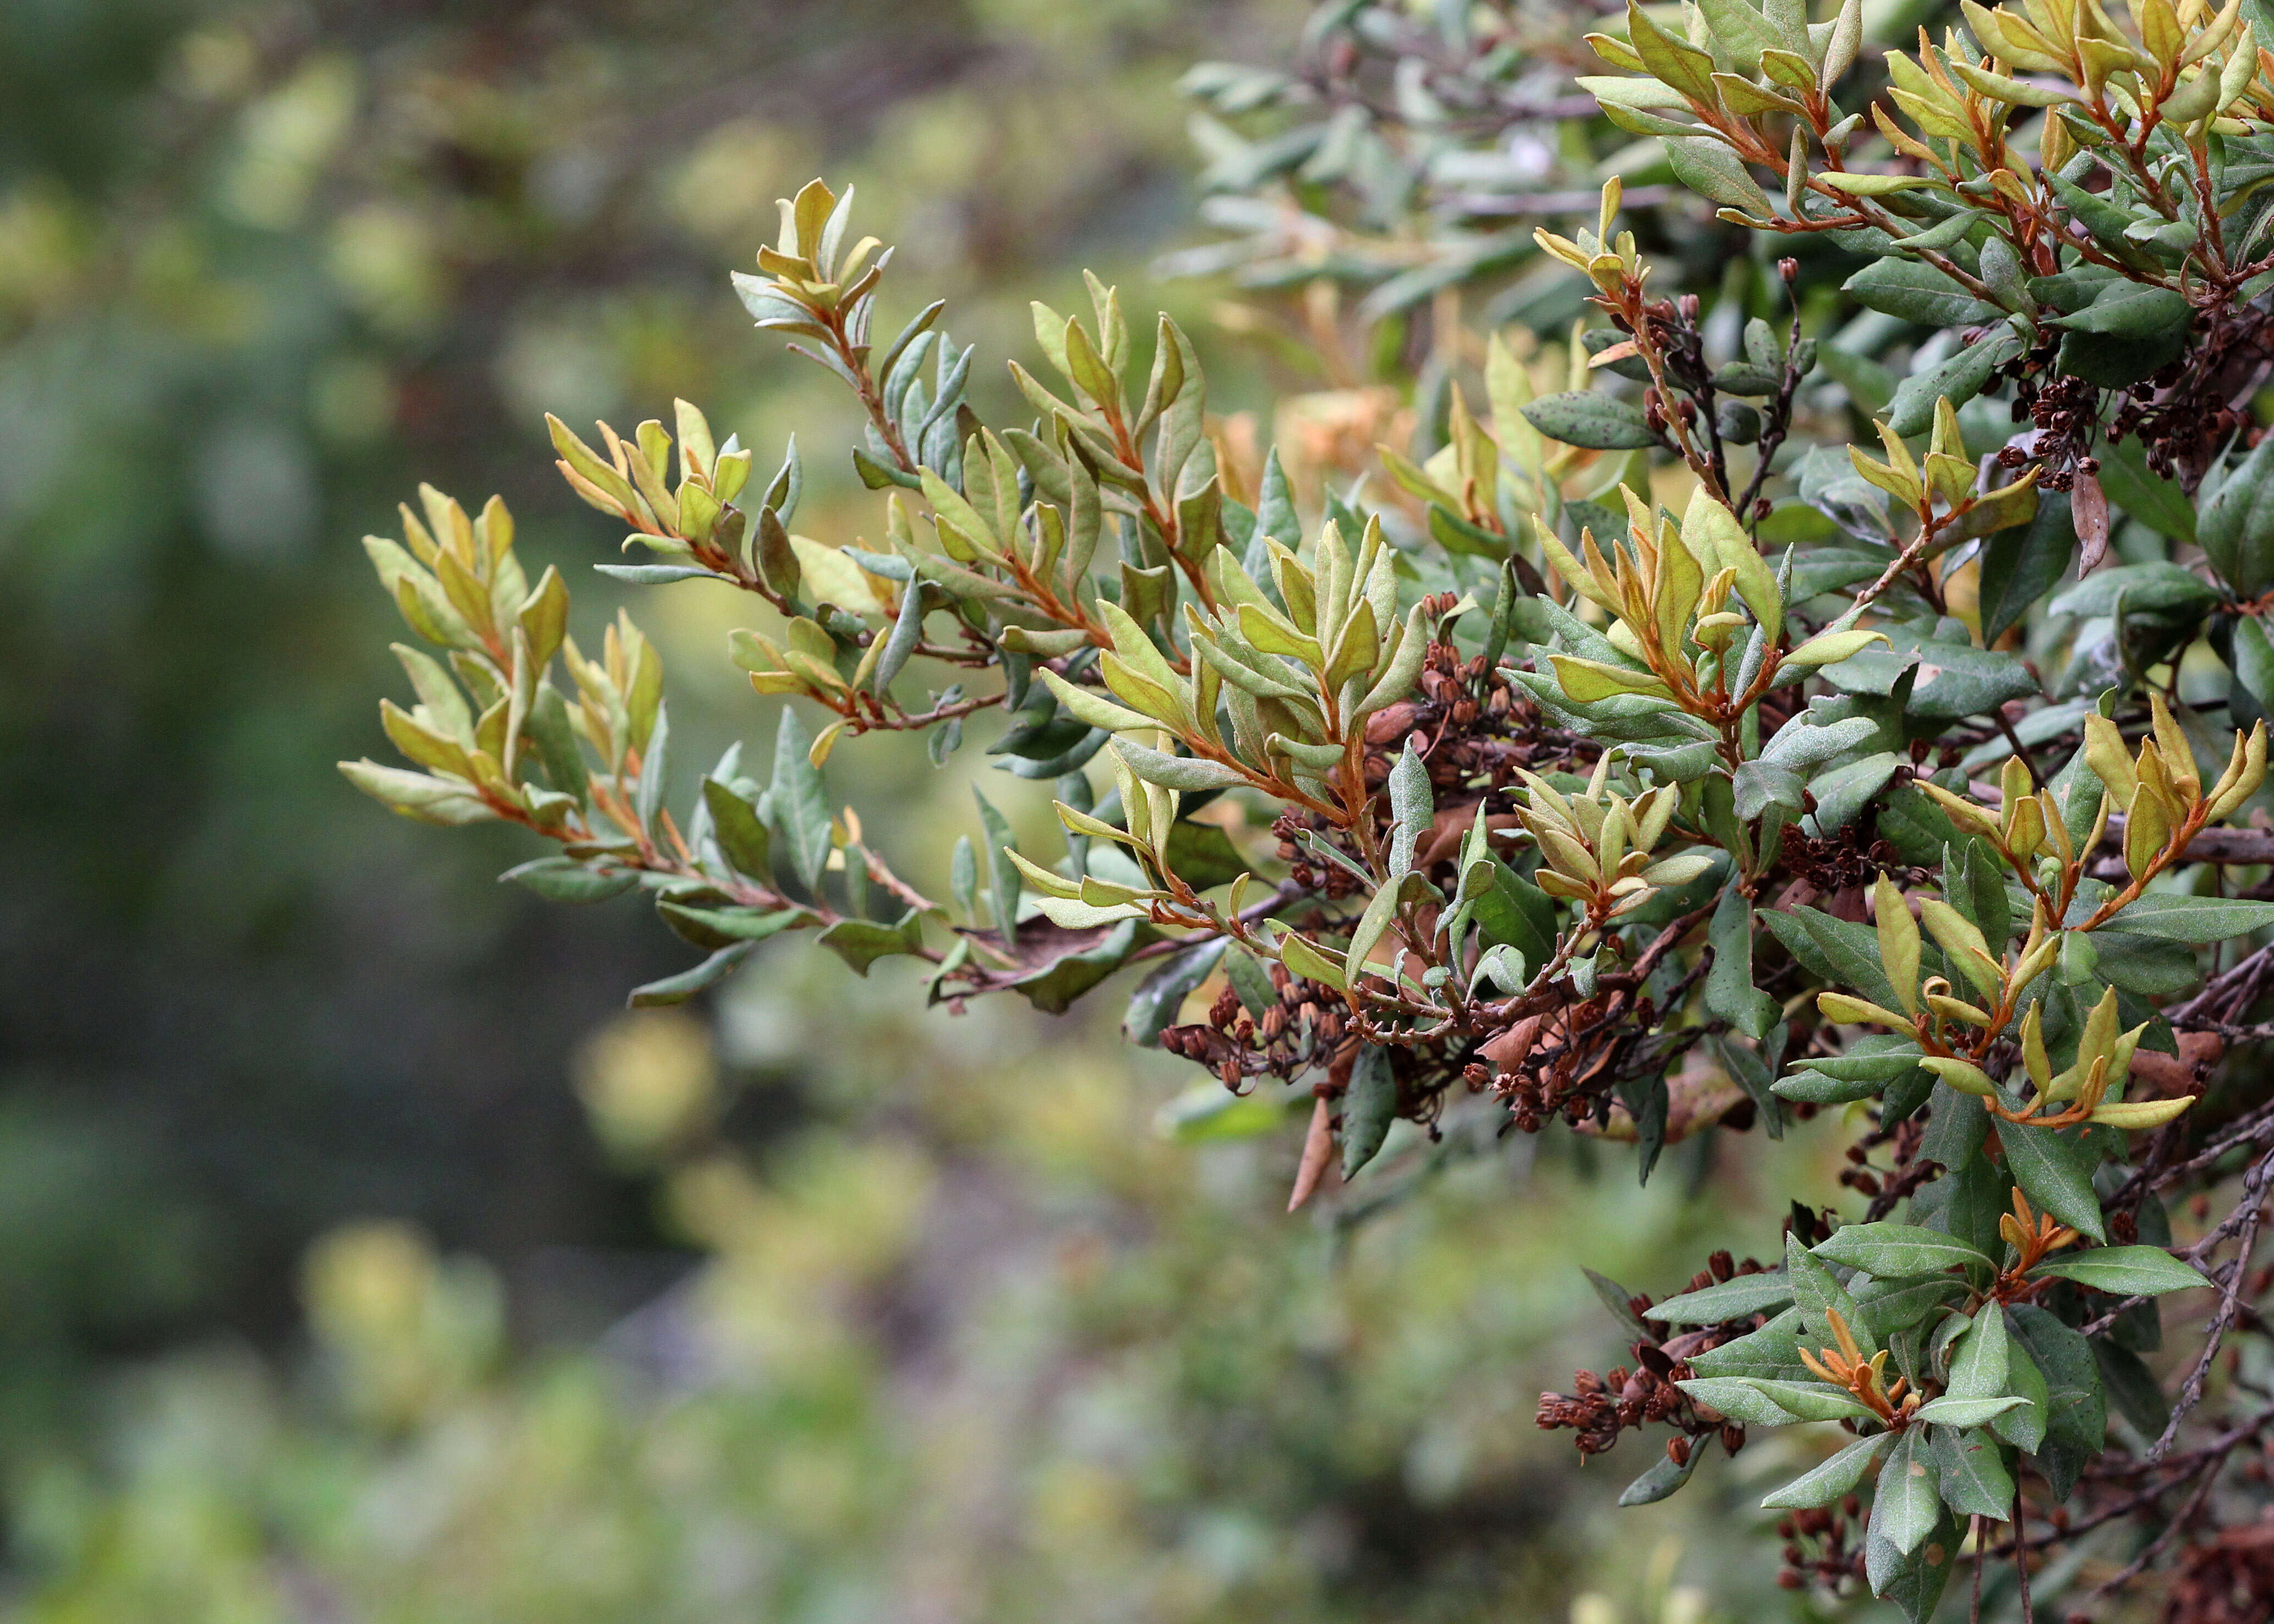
(358,1259)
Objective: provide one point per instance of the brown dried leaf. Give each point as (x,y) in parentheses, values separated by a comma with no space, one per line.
(1507,1051)
(2166,1076)
(1318,1152)
(2088,507)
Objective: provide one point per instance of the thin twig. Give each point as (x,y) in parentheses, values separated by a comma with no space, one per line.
(2020,751)
(2138,1564)
(1974,1611)
(2022,1561)
(2253,1193)
(1282,894)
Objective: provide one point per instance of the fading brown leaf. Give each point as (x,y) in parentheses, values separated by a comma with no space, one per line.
(2168,1077)
(2088,507)
(1507,1051)
(1318,1151)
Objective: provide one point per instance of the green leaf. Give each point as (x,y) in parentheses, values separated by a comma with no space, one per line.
(1801,744)
(1833,1480)
(1957,1125)
(2071,289)
(2155,970)
(1518,914)
(1591,421)
(2128,330)
(1619,1301)
(2236,527)
(1711,170)
(2158,589)
(1381,909)
(416,795)
(1737,1398)
(1908,1502)
(1670,60)
(734,824)
(1858,184)
(1587,682)
(1916,291)
(1737,378)
(2054,1170)
(718,927)
(1158,997)
(1751,1071)
(1817,1294)
(1251,981)
(1978,1365)
(1177,772)
(1648,1101)
(1912,1582)
(679,989)
(2167,917)
(1811,1087)
(2135,490)
(1661,1480)
(1955,679)
(1834,950)
(1303,958)
(1948,234)
(564,879)
(647,799)
(1947,1411)
(1759,1400)
(1973,1481)
(1455,534)
(2020,564)
(1003,881)
(2076,1412)
(799,801)
(1898,1251)
(2024,1426)
(1730,1299)
(1772,1350)
(1838,1079)
(556,743)
(1914,825)
(1842,793)
(1368,1108)
(2123,1271)
(860,943)
(1958,378)
(1729,989)
(1410,805)
(1893,1307)
(1275,504)
(2128,309)
(1053,988)
(1974,882)
(655,575)
(2131,1388)
(1741,29)
(1977,1194)
(2104,219)
(1874,1060)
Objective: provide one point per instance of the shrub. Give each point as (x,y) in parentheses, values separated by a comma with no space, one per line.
(1637,754)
